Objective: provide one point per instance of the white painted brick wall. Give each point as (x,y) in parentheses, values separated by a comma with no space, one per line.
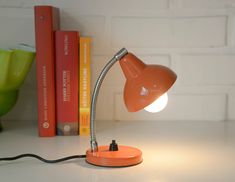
(207,69)
(169,32)
(189,107)
(196,38)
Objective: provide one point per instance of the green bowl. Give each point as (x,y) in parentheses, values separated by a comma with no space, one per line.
(14,66)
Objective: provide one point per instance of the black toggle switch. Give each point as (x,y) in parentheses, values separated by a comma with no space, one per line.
(113,146)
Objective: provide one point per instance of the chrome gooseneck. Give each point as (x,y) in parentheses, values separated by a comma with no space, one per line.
(119,55)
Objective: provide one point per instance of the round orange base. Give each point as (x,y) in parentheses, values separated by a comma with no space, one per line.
(125,156)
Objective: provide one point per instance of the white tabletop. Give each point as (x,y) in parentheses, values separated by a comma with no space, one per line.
(172,152)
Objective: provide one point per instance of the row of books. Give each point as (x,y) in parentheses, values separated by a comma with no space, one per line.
(63,76)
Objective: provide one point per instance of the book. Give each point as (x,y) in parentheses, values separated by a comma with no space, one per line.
(46,22)
(67,78)
(84,86)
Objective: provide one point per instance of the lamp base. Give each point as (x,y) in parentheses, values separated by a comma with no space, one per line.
(125,156)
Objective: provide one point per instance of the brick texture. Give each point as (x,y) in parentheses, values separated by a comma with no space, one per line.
(193,37)
(169,32)
(191,107)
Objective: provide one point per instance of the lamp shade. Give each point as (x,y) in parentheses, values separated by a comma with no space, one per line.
(144,83)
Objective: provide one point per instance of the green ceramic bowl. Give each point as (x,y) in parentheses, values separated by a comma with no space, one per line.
(14,66)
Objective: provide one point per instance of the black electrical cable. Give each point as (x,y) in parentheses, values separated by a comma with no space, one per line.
(42,159)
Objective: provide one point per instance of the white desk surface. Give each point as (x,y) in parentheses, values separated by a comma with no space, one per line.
(172,152)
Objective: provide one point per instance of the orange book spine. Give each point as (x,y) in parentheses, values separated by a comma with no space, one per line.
(85,86)
(46,22)
(67,79)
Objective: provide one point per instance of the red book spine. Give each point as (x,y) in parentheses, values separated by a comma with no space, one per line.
(46,22)
(67,80)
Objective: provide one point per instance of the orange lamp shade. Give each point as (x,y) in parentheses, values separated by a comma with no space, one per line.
(144,83)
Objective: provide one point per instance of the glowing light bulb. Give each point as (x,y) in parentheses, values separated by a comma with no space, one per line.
(158,104)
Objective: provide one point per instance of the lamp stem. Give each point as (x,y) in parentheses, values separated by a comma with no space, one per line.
(120,54)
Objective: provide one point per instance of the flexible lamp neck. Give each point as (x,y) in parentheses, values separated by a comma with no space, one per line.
(119,55)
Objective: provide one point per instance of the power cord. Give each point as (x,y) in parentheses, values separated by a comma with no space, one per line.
(42,159)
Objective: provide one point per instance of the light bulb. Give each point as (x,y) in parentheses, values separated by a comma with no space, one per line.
(158,105)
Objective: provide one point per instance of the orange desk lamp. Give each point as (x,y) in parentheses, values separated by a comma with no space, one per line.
(145,88)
